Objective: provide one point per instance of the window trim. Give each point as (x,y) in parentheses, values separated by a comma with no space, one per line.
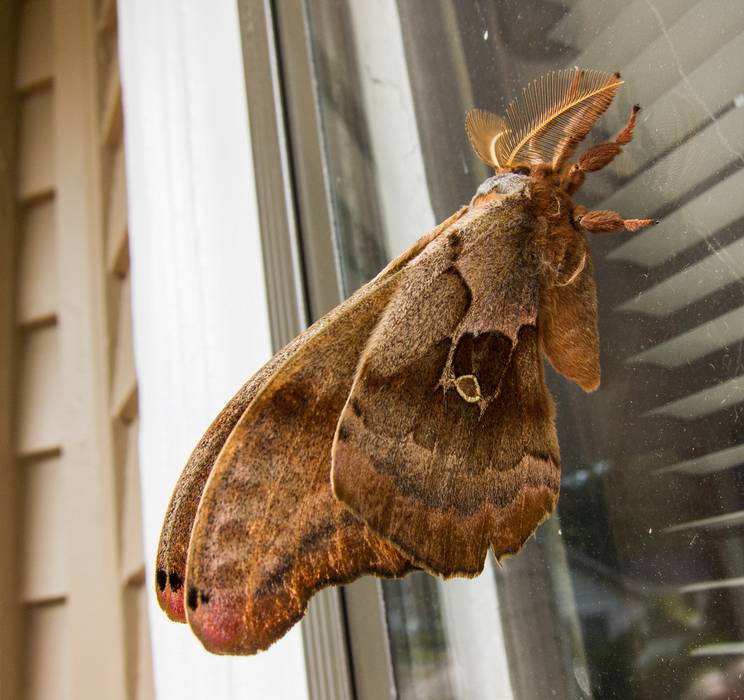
(303,281)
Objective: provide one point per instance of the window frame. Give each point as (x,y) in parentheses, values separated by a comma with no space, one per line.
(301,260)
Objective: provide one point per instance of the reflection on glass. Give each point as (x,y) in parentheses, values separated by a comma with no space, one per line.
(636,588)
(417,639)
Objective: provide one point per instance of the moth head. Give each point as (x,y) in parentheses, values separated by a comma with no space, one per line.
(538,135)
(545,123)
(500,185)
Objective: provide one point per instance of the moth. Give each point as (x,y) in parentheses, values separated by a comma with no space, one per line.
(409,428)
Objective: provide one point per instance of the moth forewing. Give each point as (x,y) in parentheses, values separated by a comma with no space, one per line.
(170,562)
(268,532)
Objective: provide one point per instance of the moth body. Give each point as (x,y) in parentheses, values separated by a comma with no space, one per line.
(411,427)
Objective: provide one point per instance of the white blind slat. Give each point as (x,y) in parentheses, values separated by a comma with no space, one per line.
(715,271)
(690,101)
(721,649)
(714,522)
(691,345)
(709,463)
(737,582)
(704,402)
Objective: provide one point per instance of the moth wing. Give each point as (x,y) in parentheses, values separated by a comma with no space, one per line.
(568,318)
(179,519)
(269,532)
(446,446)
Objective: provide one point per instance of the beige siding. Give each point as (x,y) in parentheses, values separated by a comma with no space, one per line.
(44,585)
(39,419)
(47,653)
(123,388)
(116,228)
(124,381)
(132,563)
(111,117)
(36,152)
(37,266)
(44,541)
(139,671)
(35,55)
(123,394)
(80,592)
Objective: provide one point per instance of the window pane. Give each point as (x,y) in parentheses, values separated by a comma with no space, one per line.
(635,589)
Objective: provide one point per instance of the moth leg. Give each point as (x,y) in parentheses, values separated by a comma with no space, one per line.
(608,221)
(599,156)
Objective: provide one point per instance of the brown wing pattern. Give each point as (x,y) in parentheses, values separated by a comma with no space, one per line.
(268,532)
(174,537)
(179,519)
(446,445)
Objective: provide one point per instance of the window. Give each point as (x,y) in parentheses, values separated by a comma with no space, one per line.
(635,589)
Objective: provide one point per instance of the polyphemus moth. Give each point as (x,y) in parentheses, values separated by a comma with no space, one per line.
(410,428)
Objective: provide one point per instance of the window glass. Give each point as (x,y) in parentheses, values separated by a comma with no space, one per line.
(635,588)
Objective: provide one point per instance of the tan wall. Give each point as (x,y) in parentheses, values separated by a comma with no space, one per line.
(74,472)
(9,581)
